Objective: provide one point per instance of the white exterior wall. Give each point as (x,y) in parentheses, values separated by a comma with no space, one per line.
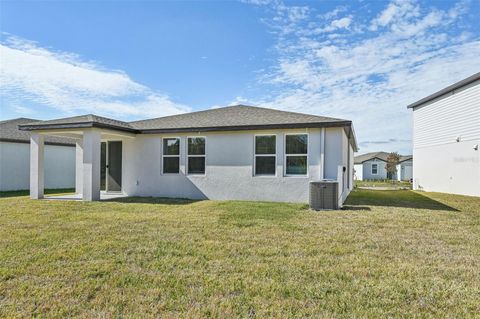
(405,171)
(381,170)
(15,166)
(441,163)
(351,166)
(229,167)
(358,172)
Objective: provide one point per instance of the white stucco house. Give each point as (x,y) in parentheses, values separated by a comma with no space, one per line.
(237,152)
(446,139)
(59,165)
(371,166)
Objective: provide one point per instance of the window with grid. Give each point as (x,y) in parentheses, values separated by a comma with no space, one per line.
(171,155)
(196,155)
(296,153)
(265,155)
(374,169)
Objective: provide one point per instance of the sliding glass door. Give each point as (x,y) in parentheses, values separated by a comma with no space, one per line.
(111,166)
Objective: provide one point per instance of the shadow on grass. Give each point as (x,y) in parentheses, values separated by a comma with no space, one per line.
(347,207)
(152,200)
(391,198)
(26,192)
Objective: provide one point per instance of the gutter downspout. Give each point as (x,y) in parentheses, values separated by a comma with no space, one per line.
(322,153)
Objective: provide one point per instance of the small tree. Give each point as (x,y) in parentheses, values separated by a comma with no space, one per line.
(391,166)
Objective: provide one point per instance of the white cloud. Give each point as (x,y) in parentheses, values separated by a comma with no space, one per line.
(407,18)
(19,109)
(334,13)
(257,2)
(396,11)
(342,23)
(409,52)
(65,82)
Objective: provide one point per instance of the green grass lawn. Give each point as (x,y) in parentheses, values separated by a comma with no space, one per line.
(388,254)
(384,183)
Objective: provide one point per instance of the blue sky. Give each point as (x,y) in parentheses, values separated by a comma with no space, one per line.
(363,61)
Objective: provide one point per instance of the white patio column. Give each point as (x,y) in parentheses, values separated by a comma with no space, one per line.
(79,167)
(36,165)
(91,165)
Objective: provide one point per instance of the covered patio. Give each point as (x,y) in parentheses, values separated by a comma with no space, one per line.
(98,160)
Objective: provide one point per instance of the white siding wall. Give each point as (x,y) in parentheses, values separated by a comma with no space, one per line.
(441,163)
(15,166)
(350,169)
(229,167)
(381,170)
(405,171)
(352,165)
(359,172)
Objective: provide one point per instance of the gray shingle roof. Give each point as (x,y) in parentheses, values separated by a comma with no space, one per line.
(9,132)
(234,118)
(383,156)
(231,118)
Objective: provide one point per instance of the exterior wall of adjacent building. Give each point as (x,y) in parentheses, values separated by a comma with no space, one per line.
(367,170)
(230,166)
(15,166)
(358,176)
(446,138)
(364,171)
(405,171)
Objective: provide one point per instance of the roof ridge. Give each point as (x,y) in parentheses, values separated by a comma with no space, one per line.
(95,117)
(195,112)
(17,119)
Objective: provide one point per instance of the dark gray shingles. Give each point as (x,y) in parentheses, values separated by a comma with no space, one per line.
(9,132)
(227,118)
(232,116)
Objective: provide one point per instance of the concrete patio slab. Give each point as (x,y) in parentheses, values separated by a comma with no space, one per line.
(103,196)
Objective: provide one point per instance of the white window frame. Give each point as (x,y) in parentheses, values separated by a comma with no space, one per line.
(255,155)
(179,154)
(188,155)
(285,154)
(376,165)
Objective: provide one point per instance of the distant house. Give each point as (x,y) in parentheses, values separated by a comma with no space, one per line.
(237,152)
(59,165)
(446,138)
(371,166)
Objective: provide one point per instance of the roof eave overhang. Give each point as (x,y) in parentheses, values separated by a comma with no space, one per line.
(352,137)
(377,158)
(83,125)
(34,127)
(445,91)
(247,127)
(405,160)
(370,159)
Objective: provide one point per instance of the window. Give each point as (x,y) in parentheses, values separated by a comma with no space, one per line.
(265,155)
(171,155)
(374,169)
(196,155)
(296,150)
